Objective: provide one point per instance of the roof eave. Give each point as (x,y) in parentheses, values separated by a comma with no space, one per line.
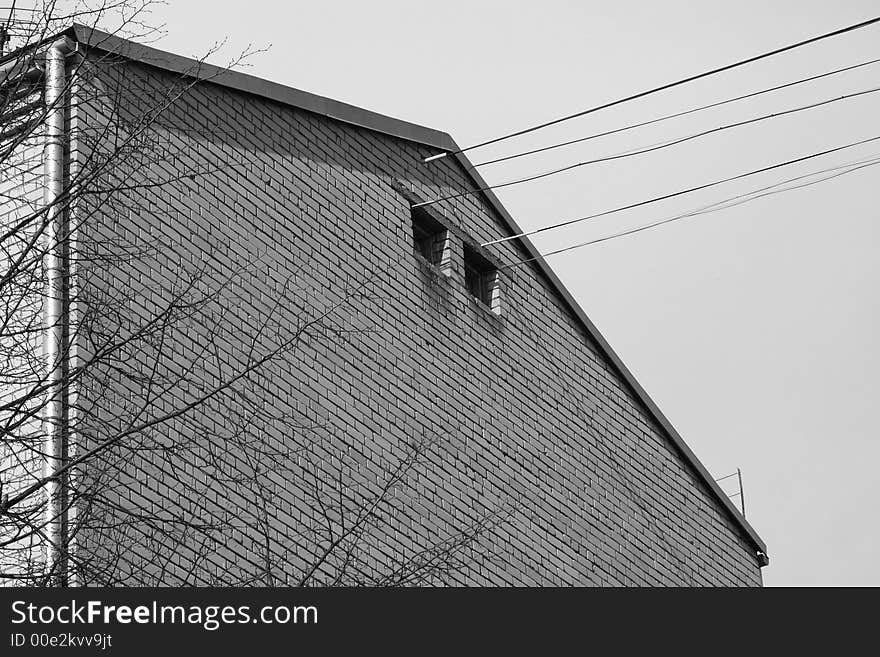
(638,391)
(321,105)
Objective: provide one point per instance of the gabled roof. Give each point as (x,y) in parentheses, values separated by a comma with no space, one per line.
(427,136)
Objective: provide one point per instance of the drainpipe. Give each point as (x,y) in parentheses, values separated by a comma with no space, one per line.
(55,311)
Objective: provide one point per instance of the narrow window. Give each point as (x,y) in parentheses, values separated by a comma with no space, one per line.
(429,237)
(481,279)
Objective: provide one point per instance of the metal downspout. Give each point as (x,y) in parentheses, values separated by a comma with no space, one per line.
(55,310)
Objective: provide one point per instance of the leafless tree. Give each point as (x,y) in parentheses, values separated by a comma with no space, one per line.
(154,404)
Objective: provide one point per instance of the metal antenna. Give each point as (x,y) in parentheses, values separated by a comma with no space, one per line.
(739,478)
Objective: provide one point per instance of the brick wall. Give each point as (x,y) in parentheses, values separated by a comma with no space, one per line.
(284,237)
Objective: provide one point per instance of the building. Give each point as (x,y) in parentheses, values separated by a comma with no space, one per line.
(272,365)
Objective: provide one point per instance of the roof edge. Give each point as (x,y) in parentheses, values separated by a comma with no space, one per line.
(225,77)
(374,121)
(638,391)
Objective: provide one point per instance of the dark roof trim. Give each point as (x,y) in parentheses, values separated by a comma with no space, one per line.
(437,139)
(634,385)
(253,85)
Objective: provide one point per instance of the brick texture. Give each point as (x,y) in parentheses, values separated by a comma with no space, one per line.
(283,235)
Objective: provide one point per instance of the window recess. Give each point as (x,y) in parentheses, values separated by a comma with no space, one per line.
(482,279)
(430,239)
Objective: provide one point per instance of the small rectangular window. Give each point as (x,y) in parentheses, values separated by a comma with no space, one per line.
(481,278)
(429,237)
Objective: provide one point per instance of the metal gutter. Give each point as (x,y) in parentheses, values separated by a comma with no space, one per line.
(55,312)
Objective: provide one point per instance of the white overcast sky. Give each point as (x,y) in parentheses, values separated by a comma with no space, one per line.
(755,329)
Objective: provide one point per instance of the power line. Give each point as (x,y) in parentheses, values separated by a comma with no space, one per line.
(649,149)
(725,204)
(471,192)
(667,117)
(715,207)
(663,87)
(682,192)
